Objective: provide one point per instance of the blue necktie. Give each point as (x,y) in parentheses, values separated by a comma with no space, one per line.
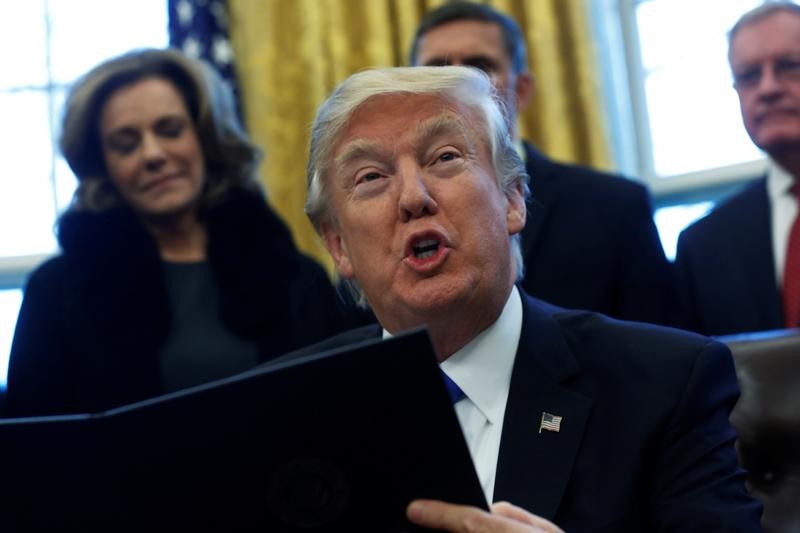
(455,392)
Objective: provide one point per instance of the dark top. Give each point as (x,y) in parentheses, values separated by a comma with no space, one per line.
(726,267)
(590,242)
(644,444)
(94,319)
(199,348)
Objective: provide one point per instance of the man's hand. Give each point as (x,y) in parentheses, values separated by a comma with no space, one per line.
(504,518)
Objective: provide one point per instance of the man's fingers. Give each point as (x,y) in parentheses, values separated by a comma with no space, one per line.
(440,515)
(521,515)
(463,519)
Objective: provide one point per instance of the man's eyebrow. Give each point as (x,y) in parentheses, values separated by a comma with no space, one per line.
(444,125)
(437,61)
(358,148)
(441,125)
(446,60)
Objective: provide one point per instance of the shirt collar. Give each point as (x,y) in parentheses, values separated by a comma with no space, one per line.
(482,368)
(779,181)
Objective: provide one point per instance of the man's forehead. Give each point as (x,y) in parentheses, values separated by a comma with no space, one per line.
(759,37)
(459,39)
(433,115)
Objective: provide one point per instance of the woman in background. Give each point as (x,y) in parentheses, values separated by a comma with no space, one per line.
(174,270)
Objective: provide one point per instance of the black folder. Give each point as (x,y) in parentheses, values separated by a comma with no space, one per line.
(339,441)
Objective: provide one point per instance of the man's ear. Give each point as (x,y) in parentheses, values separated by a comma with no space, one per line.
(516,210)
(337,248)
(524,88)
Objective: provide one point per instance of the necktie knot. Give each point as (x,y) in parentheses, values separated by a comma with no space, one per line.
(455,392)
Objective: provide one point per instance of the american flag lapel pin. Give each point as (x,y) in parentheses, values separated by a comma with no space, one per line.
(550,422)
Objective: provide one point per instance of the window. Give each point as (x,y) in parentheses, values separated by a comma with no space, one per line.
(692,111)
(9,305)
(671,220)
(674,114)
(48,44)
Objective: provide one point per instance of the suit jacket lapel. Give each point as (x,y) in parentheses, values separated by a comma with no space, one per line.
(534,466)
(756,255)
(543,196)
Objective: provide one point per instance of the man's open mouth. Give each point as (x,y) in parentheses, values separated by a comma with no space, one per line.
(425,248)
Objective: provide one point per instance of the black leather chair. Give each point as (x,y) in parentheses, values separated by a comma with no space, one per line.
(767,419)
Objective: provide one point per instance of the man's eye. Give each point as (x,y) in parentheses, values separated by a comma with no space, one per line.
(482,64)
(788,67)
(446,155)
(747,78)
(367,177)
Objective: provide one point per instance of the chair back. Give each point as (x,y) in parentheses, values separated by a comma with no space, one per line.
(767,420)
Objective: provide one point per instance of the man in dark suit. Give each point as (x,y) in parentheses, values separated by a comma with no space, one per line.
(590,241)
(592,423)
(733,265)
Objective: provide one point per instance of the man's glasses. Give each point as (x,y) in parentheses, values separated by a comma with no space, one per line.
(784,69)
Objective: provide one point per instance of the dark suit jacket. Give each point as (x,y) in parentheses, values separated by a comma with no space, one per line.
(590,243)
(645,443)
(725,267)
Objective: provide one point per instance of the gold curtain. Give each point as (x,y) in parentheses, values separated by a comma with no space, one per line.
(291,54)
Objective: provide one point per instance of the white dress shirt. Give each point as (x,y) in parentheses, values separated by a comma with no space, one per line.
(783,210)
(482,369)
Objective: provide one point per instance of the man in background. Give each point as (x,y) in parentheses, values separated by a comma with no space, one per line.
(739,267)
(590,241)
(419,194)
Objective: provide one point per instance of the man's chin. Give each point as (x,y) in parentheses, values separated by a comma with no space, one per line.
(778,144)
(427,302)
(437,302)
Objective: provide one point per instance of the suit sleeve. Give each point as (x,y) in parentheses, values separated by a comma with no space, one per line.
(37,373)
(317,313)
(696,483)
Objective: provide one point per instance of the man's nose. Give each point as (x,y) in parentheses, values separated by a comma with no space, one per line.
(769,84)
(415,199)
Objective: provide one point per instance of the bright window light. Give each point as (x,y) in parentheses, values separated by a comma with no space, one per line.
(693,111)
(671,220)
(9,307)
(48,44)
